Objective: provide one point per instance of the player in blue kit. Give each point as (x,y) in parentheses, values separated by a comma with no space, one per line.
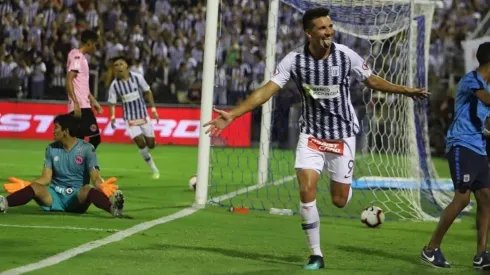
(467,157)
(69,166)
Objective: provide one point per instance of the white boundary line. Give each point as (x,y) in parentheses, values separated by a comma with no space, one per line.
(59,227)
(70,253)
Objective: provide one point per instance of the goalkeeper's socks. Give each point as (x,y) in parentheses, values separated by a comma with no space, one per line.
(21,197)
(147,157)
(311,226)
(99,199)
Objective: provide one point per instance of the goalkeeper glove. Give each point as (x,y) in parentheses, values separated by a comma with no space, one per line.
(15,185)
(108,187)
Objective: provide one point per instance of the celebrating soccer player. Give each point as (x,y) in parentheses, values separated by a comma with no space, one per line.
(130,87)
(78,88)
(69,166)
(467,157)
(322,70)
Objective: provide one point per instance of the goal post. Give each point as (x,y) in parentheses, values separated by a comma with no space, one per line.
(212,12)
(393,168)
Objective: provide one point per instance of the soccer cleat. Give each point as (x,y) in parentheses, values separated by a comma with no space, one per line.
(117,204)
(156,175)
(3,204)
(482,262)
(434,258)
(315,262)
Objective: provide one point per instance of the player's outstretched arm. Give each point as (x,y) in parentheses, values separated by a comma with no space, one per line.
(257,98)
(377,83)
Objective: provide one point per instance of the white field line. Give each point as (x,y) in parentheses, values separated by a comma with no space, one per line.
(59,227)
(65,255)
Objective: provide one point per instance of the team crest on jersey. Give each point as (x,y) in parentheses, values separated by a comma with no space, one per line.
(79,160)
(335,71)
(93,127)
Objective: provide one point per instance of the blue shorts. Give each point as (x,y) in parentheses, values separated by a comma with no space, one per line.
(65,199)
(469,170)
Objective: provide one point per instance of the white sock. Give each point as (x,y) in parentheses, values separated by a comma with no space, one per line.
(147,157)
(311,226)
(349,196)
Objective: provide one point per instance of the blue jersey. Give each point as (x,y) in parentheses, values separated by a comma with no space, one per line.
(71,168)
(469,115)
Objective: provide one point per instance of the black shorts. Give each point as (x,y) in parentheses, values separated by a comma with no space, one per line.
(469,170)
(88,124)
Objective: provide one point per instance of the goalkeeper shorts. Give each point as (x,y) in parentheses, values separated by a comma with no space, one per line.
(65,199)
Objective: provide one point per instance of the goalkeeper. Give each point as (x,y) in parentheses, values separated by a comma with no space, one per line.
(69,166)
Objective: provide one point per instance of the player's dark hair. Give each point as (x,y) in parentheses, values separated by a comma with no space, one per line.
(483,53)
(313,14)
(67,121)
(88,36)
(121,57)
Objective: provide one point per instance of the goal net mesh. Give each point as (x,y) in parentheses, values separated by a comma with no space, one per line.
(393,168)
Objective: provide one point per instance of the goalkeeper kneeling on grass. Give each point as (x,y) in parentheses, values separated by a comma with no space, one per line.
(69,166)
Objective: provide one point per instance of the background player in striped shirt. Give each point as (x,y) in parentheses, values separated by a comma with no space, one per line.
(322,70)
(130,87)
(468,162)
(69,166)
(80,99)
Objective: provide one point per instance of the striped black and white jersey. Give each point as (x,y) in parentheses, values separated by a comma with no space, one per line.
(324,85)
(131,94)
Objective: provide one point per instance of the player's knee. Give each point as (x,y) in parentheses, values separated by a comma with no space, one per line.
(461,199)
(37,187)
(483,196)
(95,141)
(339,201)
(150,143)
(140,142)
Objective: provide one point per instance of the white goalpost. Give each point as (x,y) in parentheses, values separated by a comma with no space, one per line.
(393,166)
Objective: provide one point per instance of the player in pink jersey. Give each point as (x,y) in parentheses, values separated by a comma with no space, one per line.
(80,100)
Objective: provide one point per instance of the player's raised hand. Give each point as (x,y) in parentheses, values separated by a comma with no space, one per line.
(218,124)
(416,93)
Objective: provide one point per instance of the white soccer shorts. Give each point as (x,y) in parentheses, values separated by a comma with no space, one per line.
(145,129)
(337,156)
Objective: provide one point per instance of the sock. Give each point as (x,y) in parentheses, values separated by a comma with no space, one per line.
(349,196)
(311,226)
(98,198)
(147,157)
(21,197)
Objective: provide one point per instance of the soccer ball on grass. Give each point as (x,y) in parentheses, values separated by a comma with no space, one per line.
(192,183)
(372,216)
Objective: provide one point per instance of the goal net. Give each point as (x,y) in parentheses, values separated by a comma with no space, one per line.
(393,168)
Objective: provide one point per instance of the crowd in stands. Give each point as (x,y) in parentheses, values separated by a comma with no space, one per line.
(165,39)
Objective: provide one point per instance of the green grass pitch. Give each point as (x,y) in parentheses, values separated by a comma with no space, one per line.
(211,241)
